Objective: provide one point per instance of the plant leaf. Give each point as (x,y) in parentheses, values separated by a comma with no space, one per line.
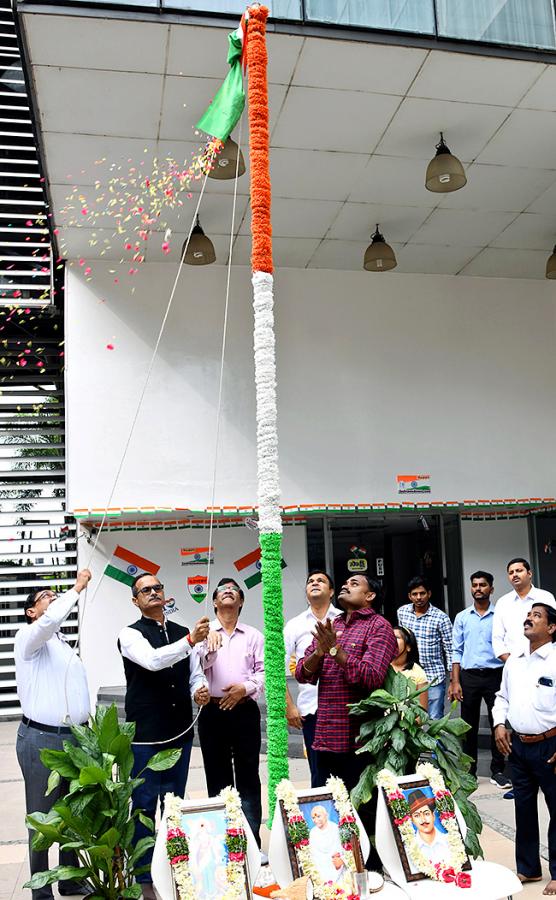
(59,761)
(140,848)
(133,891)
(163,760)
(110,838)
(145,820)
(53,781)
(109,728)
(92,775)
(457,727)
(59,873)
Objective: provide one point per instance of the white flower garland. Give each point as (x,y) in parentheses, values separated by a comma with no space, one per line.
(298,835)
(451,871)
(235,841)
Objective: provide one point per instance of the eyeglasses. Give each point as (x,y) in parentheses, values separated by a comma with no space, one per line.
(44,594)
(227,587)
(158,588)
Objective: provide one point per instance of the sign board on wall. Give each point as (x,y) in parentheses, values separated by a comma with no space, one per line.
(414,484)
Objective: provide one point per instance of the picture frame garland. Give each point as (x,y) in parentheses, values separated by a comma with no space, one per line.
(298,833)
(398,806)
(177,847)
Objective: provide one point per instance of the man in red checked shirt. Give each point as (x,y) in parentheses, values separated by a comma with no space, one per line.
(348,659)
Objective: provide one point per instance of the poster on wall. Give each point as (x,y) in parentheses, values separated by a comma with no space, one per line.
(414,484)
(196,556)
(197,587)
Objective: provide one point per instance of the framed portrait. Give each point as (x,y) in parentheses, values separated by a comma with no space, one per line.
(328,856)
(205,827)
(428,837)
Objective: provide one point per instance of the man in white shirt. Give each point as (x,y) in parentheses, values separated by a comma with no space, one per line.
(527,700)
(298,634)
(53,692)
(511,609)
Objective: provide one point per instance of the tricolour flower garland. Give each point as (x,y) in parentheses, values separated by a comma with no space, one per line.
(298,833)
(177,847)
(448,872)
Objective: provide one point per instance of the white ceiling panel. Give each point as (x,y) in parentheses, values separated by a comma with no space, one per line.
(198,51)
(388,179)
(121,104)
(415,129)
(357,221)
(462,227)
(543,93)
(83,159)
(474,79)
(88,244)
(434,259)
(497,263)
(530,231)
(527,138)
(546,203)
(288,253)
(283,54)
(503,188)
(357,66)
(299,218)
(124,46)
(313,174)
(315,119)
(347,255)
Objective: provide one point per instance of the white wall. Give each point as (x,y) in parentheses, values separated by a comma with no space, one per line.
(109,607)
(378,375)
(490,546)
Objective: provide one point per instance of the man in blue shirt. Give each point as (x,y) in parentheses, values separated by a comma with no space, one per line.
(476,671)
(433,631)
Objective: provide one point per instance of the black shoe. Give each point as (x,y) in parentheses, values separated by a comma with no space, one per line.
(76,889)
(509,795)
(500,780)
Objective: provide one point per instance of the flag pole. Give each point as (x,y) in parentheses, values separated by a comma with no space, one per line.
(270,519)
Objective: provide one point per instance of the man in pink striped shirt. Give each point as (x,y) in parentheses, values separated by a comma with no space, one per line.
(230,725)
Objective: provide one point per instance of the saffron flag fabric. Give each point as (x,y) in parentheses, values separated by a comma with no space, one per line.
(125,565)
(223,114)
(249,567)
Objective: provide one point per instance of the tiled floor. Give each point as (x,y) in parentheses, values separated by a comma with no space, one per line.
(498,815)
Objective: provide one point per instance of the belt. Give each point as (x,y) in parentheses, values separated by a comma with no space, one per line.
(535,738)
(52,729)
(218,699)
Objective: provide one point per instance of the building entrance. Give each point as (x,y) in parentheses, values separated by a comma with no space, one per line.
(393,549)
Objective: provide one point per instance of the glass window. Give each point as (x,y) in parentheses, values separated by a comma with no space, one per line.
(389,15)
(527,23)
(279,9)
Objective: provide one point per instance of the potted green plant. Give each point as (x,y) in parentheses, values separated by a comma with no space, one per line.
(396,732)
(94,818)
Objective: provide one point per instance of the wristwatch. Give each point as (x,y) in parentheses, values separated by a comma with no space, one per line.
(333,650)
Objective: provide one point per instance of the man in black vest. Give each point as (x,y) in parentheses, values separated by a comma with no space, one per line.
(162,675)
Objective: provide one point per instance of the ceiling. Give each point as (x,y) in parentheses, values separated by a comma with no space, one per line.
(353,127)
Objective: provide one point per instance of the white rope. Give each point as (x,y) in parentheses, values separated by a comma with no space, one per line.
(222,357)
(128,441)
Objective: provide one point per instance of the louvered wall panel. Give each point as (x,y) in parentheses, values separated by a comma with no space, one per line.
(37,538)
(26,269)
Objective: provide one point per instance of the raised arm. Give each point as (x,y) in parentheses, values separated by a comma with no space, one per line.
(31,638)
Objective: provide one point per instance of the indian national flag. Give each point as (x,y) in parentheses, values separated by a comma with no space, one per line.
(125,565)
(249,567)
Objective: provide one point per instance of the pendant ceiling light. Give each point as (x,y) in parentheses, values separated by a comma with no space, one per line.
(379,256)
(225,162)
(551,264)
(200,251)
(444,172)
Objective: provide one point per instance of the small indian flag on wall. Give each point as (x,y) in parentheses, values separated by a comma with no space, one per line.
(197,586)
(125,565)
(249,567)
(414,484)
(193,556)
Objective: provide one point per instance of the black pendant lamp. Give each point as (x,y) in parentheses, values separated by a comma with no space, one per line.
(379,256)
(444,172)
(200,251)
(226,162)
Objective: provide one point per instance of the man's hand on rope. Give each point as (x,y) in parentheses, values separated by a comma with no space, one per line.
(214,641)
(201,696)
(200,631)
(82,580)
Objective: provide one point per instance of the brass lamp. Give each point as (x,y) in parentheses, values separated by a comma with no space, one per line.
(444,172)
(200,251)
(226,163)
(379,256)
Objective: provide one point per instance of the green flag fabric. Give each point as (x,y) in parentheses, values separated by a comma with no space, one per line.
(221,117)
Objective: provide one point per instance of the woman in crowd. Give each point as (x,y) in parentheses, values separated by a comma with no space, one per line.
(407,661)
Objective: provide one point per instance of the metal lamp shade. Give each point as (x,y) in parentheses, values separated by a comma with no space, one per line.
(551,265)
(445,172)
(225,162)
(379,256)
(200,251)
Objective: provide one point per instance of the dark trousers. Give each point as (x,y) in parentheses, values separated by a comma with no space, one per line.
(309,725)
(348,767)
(30,741)
(231,746)
(478,685)
(155,787)
(530,771)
